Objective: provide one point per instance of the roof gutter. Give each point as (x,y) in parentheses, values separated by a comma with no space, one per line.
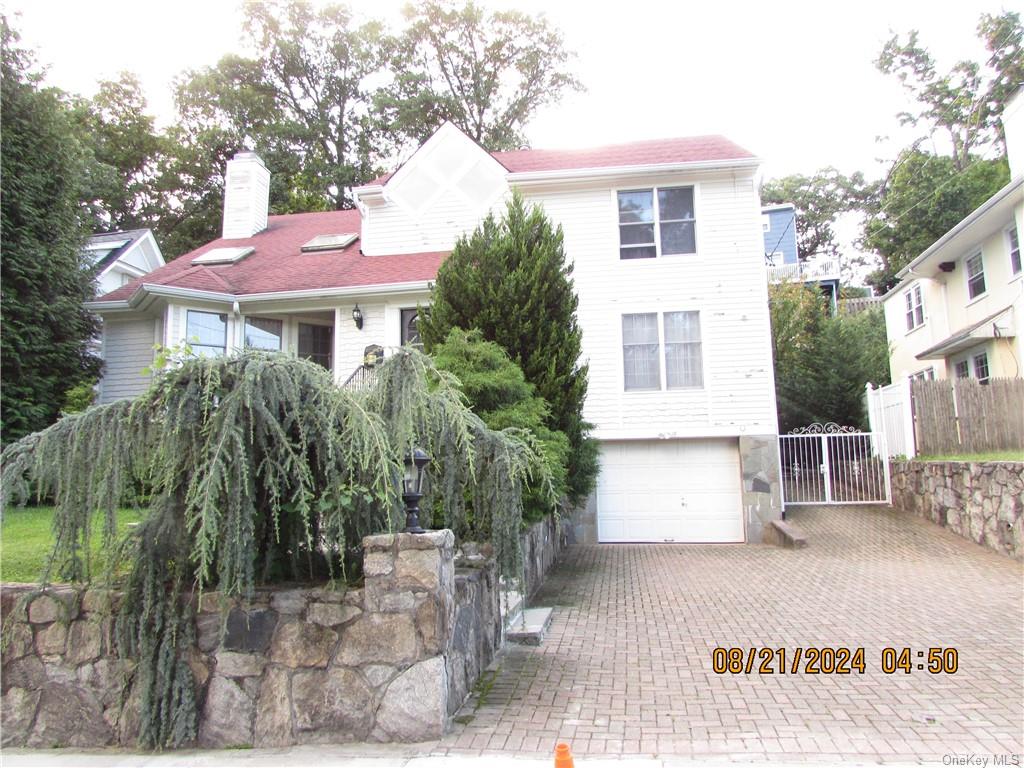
(147,290)
(571,174)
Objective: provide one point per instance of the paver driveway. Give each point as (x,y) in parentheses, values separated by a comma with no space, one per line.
(626,668)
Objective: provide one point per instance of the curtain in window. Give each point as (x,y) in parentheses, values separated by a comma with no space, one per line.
(683,364)
(640,351)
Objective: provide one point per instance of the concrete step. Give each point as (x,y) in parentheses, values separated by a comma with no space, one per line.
(529,626)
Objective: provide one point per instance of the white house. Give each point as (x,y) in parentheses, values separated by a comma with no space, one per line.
(121,257)
(667,242)
(958,307)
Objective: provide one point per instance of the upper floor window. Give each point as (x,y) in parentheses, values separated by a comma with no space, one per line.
(206,332)
(263,333)
(975,276)
(928,374)
(915,307)
(642,351)
(1011,235)
(656,222)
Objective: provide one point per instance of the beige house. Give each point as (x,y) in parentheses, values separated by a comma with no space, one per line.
(958,309)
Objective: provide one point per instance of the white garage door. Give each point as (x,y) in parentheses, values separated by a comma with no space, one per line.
(670,490)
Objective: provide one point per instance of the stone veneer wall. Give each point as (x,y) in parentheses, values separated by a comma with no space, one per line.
(983,502)
(389,662)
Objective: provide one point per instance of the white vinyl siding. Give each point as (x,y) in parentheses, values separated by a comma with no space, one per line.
(127,352)
(726,285)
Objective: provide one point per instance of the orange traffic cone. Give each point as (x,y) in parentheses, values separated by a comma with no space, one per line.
(563,757)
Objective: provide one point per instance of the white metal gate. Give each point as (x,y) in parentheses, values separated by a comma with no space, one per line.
(829,464)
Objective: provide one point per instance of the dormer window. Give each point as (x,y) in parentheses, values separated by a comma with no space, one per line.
(656,222)
(330,242)
(915,307)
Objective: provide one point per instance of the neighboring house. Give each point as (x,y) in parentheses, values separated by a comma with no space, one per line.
(783,259)
(668,253)
(958,307)
(120,257)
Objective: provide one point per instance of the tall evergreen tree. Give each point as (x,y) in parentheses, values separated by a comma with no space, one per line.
(46,332)
(510,280)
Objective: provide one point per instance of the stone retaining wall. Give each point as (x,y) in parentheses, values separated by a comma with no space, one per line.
(542,543)
(983,502)
(389,662)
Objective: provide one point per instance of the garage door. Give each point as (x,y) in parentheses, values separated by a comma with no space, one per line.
(670,490)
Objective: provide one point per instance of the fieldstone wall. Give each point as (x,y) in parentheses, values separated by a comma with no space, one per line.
(389,662)
(542,544)
(983,502)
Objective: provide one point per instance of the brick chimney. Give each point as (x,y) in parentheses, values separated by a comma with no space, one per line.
(246,196)
(1013,127)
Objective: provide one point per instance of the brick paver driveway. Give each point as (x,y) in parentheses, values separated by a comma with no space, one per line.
(626,668)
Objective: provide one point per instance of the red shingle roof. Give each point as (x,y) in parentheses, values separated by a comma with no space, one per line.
(690,149)
(278,264)
(655,152)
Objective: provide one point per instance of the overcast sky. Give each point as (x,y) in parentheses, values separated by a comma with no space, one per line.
(793,82)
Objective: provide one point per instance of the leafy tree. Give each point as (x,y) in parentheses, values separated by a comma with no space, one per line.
(819,200)
(121,189)
(500,395)
(925,197)
(488,73)
(822,363)
(261,469)
(966,102)
(509,279)
(46,332)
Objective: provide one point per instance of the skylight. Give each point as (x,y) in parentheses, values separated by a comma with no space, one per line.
(330,242)
(223,255)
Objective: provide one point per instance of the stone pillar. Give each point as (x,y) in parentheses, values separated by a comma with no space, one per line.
(762,489)
(412,576)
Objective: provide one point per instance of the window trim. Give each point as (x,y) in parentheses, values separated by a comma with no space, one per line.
(966,363)
(656,208)
(909,312)
(401,326)
(1009,250)
(227,329)
(245,327)
(968,276)
(983,355)
(663,387)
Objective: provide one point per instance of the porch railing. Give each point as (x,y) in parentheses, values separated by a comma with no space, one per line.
(826,269)
(361,378)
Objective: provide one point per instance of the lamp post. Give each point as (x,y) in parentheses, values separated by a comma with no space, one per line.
(412,489)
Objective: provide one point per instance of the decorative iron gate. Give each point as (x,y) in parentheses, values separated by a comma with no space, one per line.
(829,464)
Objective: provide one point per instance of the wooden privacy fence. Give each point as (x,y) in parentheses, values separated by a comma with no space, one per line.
(966,416)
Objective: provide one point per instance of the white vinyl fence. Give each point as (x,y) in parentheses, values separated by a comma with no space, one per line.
(890,412)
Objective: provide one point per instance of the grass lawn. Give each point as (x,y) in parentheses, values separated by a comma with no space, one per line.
(987,456)
(26,539)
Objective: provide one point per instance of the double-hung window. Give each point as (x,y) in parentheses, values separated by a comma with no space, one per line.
(1014,241)
(263,333)
(656,222)
(674,344)
(975,276)
(963,370)
(981,367)
(641,351)
(206,332)
(915,307)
